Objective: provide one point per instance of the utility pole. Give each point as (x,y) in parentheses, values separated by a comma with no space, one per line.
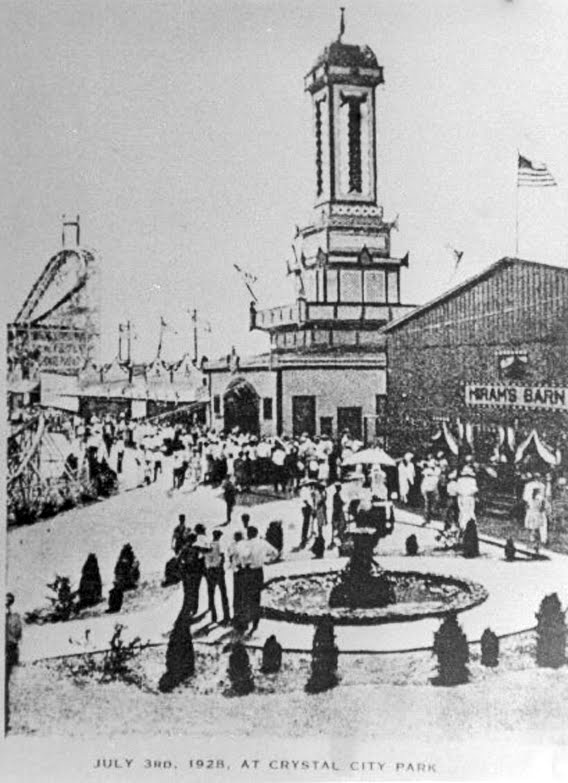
(195,337)
(122,329)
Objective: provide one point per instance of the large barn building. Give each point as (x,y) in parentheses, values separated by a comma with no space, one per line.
(485,365)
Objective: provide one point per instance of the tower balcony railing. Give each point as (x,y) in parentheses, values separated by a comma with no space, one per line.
(302,312)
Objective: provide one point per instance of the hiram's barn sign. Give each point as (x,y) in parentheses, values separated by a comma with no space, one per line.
(548,397)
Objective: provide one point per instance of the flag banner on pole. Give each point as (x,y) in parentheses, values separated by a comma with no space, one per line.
(534,175)
(248,279)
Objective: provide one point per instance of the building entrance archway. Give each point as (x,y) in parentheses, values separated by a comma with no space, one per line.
(241,405)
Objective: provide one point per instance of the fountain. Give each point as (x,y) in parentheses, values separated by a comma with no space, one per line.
(362,583)
(362,593)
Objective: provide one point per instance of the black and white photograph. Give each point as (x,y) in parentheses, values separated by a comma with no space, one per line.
(285,304)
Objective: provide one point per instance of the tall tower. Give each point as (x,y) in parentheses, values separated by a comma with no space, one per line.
(348,283)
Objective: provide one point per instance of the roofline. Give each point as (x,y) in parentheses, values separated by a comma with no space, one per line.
(466,284)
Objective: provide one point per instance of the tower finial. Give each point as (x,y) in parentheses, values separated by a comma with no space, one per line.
(341,25)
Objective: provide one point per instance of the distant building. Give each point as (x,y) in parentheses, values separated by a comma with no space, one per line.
(139,391)
(485,365)
(326,368)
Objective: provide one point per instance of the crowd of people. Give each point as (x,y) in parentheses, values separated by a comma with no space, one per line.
(438,485)
(199,557)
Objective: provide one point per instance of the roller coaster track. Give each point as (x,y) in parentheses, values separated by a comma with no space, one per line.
(47,277)
(32,483)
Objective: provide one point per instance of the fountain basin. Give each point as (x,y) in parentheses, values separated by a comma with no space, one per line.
(304,598)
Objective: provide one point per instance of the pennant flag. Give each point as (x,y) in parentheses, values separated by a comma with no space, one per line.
(165,326)
(534,175)
(405,260)
(341,25)
(248,279)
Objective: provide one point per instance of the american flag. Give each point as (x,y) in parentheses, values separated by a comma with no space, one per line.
(534,175)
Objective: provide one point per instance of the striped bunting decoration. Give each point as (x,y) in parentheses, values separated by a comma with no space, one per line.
(534,175)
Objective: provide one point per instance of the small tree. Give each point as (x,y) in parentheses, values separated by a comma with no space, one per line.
(63,603)
(551,633)
(239,671)
(90,586)
(324,658)
(271,656)
(412,546)
(450,648)
(489,648)
(180,657)
(127,569)
(115,598)
(510,551)
(470,540)
(275,536)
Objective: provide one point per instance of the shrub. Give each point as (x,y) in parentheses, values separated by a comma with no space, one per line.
(117,659)
(180,657)
(239,670)
(489,648)
(90,586)
(115,598)
(411,546)
(324,658)
(318,547)
(271,656)
(275,536)
(470,540)
(551,633)
(116,663)
(510,551)
(127,569)
(450,648)
(63,604)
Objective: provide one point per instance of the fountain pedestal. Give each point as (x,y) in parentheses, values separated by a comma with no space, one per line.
(362,584)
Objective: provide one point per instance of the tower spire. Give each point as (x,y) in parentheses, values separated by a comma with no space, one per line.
(341,25)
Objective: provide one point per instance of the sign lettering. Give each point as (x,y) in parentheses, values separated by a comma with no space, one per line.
(544,397)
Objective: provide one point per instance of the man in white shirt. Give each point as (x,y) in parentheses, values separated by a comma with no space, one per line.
(215,577)
(429,488)
(255,554)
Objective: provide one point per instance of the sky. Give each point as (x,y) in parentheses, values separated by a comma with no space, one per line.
(181,134)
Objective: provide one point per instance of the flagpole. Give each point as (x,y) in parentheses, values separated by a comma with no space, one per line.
(517,223)
(517,209)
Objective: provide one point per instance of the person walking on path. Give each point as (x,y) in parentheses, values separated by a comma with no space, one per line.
(12,658)
(215,577)
(230,497)
(192,568)
(337,516)
(467,491)
(179,535)
(235,554)
(429,489)
(406,476)
(307,512)
(256,554)
(536,519)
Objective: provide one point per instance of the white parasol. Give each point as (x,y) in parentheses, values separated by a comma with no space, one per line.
(374,456)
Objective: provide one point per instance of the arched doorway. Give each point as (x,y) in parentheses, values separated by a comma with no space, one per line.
(241,407)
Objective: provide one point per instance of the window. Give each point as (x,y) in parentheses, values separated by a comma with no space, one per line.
(310,286)
(216,404)
(351,286)
(267,408)
(375,286)
(392,287)
(381,411)
(326,425)
(331,278)
(513,365)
